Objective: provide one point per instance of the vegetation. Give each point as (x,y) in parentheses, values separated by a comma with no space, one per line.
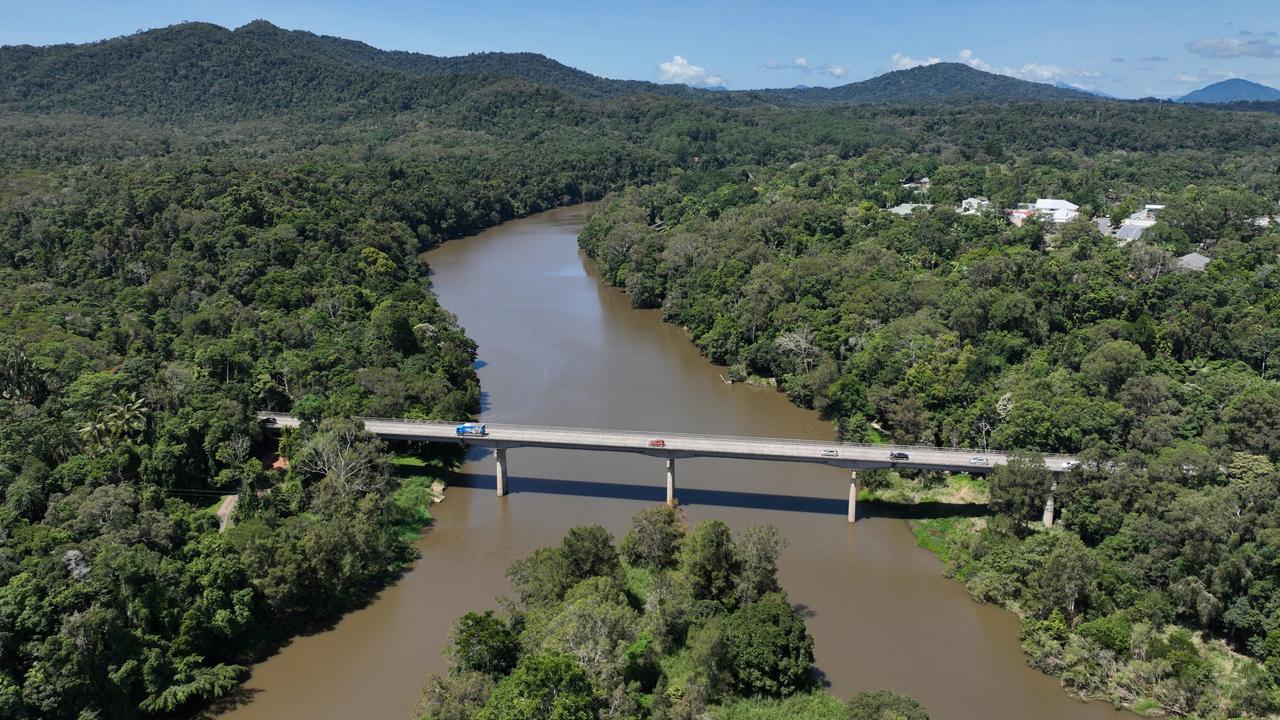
(198,223)
(708,632)
(964,330)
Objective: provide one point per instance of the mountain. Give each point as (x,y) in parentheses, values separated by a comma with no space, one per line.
(1234,90)
(201,70)
(1095,93)
(937,83)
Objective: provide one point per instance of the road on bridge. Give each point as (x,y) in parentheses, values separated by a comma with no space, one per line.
(680,445)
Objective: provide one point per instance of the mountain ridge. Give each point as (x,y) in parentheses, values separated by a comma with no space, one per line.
(199,69)
(1230,91)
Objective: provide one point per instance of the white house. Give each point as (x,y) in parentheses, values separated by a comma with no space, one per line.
(973,205)
(1057,211)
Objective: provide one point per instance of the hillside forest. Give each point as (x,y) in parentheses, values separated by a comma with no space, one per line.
(197,224)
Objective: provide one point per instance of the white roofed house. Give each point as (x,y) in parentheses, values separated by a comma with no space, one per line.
(1057,211)
(973,205)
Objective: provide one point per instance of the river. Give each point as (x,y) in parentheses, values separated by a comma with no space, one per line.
(557,347)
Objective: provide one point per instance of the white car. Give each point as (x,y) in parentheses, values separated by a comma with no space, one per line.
(1068,464)
(980,461)
(830,453)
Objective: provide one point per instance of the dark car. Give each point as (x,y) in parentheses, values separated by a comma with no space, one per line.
(898,456)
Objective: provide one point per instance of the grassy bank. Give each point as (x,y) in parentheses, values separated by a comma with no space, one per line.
(421,487)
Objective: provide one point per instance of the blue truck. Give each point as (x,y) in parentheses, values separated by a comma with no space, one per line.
(466,429)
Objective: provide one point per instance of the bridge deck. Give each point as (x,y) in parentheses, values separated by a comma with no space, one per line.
(683,445)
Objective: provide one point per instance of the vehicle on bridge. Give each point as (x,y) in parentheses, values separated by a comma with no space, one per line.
(476,429)
(898,456)
(657,443)
(830,453)
(985,462)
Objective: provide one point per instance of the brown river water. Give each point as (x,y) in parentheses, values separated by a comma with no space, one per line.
(559,348)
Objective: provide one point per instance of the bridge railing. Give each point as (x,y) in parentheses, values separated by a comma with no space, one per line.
(698,436)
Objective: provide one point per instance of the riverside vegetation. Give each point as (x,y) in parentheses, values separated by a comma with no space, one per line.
(678,624)
(1159,589)
(196,223)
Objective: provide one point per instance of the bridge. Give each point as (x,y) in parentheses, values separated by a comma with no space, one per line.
(673,446)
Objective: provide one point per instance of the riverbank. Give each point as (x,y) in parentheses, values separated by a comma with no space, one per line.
(1122,658)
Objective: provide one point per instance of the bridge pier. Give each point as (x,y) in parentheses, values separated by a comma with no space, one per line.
(500,459)
(1048,502)
(671,482)
(853,495)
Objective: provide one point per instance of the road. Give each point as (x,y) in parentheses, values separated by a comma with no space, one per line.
(681,445)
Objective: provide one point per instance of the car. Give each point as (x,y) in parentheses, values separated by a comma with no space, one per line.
(1068,464)
(267,421)
(898,456)
(466,429)
(979,461)
(830,452)
(657,442)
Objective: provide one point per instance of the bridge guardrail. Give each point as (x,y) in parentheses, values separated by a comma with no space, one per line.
(699,436)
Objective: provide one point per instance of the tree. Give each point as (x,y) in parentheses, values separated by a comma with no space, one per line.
(769,650)
(655,537)
(1112,363)
(595,625)
(483,643)
(1065,579)
(884,705)
(454,697)
(589,552)
(542,578)
(756,550)
(1019,488)
(348,461)
(547,686)
(708,562)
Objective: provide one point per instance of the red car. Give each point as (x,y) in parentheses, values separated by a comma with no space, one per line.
(657,443)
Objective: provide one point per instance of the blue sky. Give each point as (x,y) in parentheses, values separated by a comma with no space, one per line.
(1128,48)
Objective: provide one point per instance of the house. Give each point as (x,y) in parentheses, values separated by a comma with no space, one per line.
(906,209)
(1048,205)
(1193,261)
(1021,215)
(1056,211)
(973,205)
(1129,232)
(920,186)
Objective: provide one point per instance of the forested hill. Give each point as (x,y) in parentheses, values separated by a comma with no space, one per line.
(206,71)
(937,83)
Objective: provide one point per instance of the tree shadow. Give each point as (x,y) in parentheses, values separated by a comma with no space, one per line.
(237,698)
(719,498)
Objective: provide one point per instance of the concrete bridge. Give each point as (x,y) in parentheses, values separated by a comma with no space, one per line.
(673,446)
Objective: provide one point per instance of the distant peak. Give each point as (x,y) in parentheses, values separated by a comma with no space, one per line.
(258,25)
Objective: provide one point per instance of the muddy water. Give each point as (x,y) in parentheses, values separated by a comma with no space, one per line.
(558,348)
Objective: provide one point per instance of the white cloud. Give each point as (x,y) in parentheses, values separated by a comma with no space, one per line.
(1229,47)
(904,62)
(679,70)
(1038,72)
(967,57)
(804,65)
(1205,76)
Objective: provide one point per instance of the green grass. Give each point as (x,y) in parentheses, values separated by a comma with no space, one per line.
(814,706)
(414,497)
(639,582)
